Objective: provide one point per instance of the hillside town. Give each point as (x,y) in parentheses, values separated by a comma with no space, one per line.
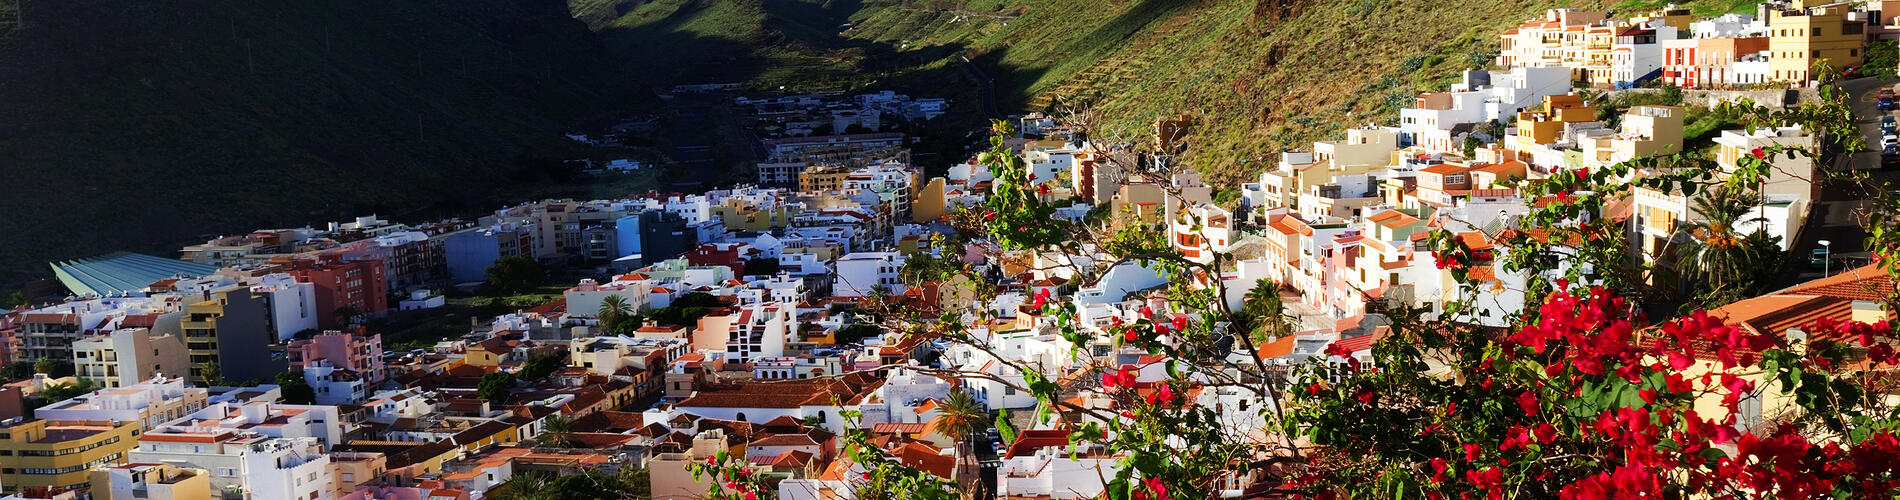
(764,322)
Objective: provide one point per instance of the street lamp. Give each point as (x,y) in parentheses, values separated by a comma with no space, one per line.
(1827,257)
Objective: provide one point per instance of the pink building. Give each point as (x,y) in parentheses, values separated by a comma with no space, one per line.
(373,492)
(354,351)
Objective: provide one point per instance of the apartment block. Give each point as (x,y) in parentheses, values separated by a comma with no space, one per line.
(229,327)
(261,466)
(59,454)
(148,404)
(1807,32)
(129,356)
(356,285)
(469,253)
(355,351)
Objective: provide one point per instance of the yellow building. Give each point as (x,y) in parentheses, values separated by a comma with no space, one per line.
(60,454)
(820,178)
(1546,125)
(1671,16)
(1645,131)
(142,481)
(739,216)
(929,204)
(1803,36)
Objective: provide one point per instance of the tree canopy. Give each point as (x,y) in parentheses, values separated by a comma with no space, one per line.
(514,274)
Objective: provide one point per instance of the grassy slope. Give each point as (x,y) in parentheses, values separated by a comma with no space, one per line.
(140,125)
(1262,75)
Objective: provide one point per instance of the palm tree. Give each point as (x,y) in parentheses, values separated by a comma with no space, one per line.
(558,432)
(613,310)
(347,314)
(1727,261)
(1264,312)
(961,415)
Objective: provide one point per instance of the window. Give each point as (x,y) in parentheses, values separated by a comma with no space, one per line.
(1817,31)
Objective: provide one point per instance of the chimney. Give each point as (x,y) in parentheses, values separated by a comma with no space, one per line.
(254,413)
(1867,311)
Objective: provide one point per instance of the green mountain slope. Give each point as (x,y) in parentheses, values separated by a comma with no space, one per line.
(140,125)
(1260,75)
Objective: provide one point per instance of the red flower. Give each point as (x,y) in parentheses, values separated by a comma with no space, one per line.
(1528,401)
(750,496)
(1114,321)
(989,215)
(1042,189)
(1438,470)
(1042,297)
(1335,349)
(1167,394)
(1180,323)
(1472,451)
(1147,313)
(1109,380)
(1160,489)
(1313,390)
(1759,154)
(1366,396)
(1129,335)
(1545,433)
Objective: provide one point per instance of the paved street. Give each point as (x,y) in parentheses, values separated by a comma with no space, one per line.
(1833,216)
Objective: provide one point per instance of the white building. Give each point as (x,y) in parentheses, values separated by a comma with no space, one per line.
(859,273)
(1041,465)
(1637,52)
(583,301)
(760,331)
(903,398)
(320,422)
(151,403)
(334,386)
(261,466)
(293,304)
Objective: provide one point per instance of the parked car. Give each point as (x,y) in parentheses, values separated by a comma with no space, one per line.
(1887,124)
(1851,72)
(1818,258)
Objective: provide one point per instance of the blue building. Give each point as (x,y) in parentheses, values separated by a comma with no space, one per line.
(469,253)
